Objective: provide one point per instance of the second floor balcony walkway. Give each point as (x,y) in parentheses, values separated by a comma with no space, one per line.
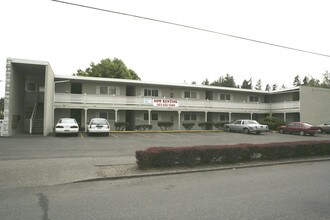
(67,100)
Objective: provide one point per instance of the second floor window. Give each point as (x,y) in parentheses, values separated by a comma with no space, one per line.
(253,98)
(225,97)
(190,95)
(107,90)
(151,92)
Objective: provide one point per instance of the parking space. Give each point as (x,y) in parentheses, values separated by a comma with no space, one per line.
(125,144)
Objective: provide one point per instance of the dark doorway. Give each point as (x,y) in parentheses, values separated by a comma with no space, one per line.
(130,91)
(76,88)
(130,118)
(209,95)
(76,114)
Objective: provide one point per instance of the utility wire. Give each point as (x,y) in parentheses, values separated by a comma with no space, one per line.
(191,27)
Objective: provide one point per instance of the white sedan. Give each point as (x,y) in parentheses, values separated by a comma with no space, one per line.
(98,126)
(67,126)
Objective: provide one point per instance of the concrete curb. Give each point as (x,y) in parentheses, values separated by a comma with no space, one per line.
(230,167)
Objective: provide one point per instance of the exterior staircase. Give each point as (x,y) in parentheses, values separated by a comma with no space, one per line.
(38,125)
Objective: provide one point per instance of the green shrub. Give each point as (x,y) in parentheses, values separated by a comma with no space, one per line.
(188,125)
(121,126)
(143,127)
(221,154)
(206,125)
(272,122)
(220,125)
(165,125)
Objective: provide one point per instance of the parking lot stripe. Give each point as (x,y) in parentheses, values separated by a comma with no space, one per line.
(81,136)
(171,135)
(114,136)
(141,135)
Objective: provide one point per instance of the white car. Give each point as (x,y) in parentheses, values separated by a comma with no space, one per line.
(98,126)
(67,126)
(246,126)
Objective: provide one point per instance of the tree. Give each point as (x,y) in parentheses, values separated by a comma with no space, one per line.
(258,85)
(296,81)
(326,80)
(267,87)
(283,86)
(193,83)
(274,87)
(247,84)
(225,81)
(305,81)
(206,82)
(108,68)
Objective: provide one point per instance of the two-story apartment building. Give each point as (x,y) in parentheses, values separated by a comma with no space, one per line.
(35,98)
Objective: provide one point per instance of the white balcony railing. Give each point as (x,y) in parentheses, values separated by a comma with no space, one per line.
(93,99)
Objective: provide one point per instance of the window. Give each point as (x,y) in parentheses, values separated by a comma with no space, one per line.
(107,90)
(190,95)
(190,117)
(224,117)
(225,97)
(154,116)
(253,98)
(151,92)
(104,90)
(106,115)
(112,90)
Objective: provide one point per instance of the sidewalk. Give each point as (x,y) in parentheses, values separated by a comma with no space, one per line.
(46,172)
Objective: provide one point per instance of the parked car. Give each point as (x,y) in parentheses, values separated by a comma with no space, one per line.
(301,128)
(98,126)
(67,126)
(246,126)
(325,127)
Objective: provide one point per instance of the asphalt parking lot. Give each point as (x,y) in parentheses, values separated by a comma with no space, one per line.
(125,144)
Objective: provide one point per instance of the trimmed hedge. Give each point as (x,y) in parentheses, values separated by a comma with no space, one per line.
(121,126)
(272,122)
(165,125)
(220,154)
(206,125)
(220,125)
(188,125)
(143,127)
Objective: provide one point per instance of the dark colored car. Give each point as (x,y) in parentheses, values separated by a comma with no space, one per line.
(301,128)
(325,127)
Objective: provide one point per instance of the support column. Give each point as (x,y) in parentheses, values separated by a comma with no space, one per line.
(284,117)
(205,116)
(251,116)
(270,114)
(179,120)
(229,117)
(149,117)
(116,115)
(85,119)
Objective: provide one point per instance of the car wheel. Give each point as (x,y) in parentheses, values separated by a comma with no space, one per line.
(321,130)
(302,133)
(227,129)
(246,131)
(281,131)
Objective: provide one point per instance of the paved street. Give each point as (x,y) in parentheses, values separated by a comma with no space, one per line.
(295,191)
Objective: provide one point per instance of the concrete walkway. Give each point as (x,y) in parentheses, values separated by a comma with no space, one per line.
(46,172)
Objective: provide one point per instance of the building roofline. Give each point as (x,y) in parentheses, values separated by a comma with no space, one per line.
(191,86)
(25,61)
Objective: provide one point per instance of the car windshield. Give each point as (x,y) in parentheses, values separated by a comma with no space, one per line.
(251,122)
(99,121)
(67,120)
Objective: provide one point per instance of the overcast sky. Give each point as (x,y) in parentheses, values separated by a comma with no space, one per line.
(70,38)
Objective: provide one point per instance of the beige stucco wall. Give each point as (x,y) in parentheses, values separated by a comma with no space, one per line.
(49,101)
(314,105)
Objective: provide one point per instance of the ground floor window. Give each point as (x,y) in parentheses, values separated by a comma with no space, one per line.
(154,116)
(190,117)
(224,117)
(106,115)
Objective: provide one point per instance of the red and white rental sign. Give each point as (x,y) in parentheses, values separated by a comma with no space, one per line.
(165,103)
